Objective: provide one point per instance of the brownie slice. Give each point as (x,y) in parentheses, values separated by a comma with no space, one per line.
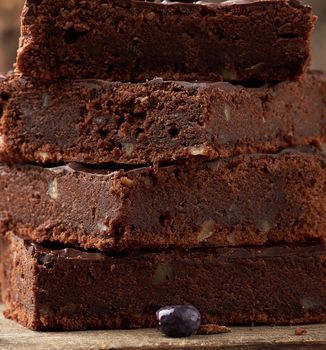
(56,288)
(245,200)
(95,121)
(128,40)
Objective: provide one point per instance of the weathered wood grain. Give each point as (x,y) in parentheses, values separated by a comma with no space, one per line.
(13,336)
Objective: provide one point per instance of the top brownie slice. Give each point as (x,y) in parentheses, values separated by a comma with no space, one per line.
(128,40)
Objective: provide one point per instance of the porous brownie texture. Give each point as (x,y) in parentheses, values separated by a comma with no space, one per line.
(69,289)
(245,200)
(127,40)
(95,121)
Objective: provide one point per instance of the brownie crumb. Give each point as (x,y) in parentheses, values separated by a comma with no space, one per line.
(208,329)
(300,331)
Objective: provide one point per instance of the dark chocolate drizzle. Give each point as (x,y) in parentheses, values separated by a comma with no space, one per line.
(303,250)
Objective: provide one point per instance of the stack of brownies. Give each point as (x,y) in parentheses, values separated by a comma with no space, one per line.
(159,154)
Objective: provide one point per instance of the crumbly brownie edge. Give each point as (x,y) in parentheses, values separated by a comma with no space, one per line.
(95,121)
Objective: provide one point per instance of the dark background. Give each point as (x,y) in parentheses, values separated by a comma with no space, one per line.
(9,32)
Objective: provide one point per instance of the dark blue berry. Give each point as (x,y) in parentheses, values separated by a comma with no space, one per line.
(178,321)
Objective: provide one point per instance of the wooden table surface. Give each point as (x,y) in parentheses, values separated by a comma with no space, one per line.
(13,336)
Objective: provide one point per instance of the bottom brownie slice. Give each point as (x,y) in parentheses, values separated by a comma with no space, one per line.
(54,288)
